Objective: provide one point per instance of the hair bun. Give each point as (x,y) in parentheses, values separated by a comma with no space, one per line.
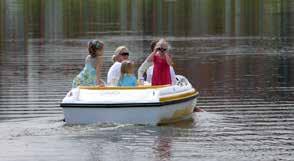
(113,58)
(93,46)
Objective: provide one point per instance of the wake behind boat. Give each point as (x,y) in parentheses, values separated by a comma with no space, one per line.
(133,105)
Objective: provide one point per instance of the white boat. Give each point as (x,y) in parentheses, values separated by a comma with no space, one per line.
(130,105)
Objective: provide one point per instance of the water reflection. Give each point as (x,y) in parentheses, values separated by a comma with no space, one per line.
(163,148)
(53,17)
(13,20)
(70,19)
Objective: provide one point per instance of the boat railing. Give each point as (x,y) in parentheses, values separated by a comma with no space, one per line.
(182,81)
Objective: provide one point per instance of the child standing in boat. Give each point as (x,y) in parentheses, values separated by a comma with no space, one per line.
(162,61)
(127,77)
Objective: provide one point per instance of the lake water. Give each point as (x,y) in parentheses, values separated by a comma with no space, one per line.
(239,54)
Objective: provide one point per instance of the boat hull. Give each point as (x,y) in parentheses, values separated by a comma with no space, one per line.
(143,104)
(140,113)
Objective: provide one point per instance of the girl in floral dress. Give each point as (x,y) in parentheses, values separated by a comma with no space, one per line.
(90,75)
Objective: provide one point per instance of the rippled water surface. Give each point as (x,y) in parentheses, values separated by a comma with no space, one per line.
(238,54)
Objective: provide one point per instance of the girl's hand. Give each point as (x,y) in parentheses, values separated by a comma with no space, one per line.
(167,55)
(101,83)
(168,59)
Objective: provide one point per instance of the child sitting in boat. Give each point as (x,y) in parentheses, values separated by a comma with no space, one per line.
(90,75)
(113,74)
(127,77)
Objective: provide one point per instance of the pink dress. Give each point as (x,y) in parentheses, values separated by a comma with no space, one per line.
(161,71)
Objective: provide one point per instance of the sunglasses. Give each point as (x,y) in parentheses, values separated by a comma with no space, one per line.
(124,54)
(161,49)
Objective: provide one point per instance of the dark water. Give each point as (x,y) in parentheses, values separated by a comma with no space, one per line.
(239,54)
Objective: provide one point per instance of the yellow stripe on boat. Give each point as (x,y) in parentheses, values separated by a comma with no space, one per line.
(179,96)
(177,115)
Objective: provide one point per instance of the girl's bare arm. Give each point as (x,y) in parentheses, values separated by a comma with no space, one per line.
(169,59)
(99,63)
(150,57)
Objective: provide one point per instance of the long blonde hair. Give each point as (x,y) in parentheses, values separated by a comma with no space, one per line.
(127,67)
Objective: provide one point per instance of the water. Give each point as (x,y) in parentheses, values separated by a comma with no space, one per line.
(238,54)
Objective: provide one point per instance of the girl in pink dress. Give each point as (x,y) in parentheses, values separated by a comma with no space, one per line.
(162,62)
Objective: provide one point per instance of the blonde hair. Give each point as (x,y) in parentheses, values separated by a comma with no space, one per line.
(162,43)
(127,67)
(114,58)
(117,52)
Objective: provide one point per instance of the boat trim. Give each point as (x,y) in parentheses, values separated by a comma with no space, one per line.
(178,96)
(121,105)
(121,87)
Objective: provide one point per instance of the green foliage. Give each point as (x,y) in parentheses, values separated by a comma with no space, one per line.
(175,17)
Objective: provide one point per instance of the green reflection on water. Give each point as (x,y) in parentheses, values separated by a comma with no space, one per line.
(75,18)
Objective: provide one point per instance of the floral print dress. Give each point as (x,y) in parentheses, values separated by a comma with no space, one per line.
(87,77)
